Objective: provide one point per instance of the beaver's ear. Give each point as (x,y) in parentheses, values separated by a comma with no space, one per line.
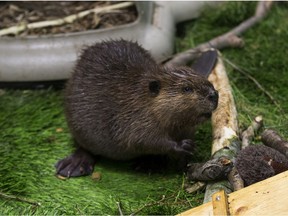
(205,63)
(154,87)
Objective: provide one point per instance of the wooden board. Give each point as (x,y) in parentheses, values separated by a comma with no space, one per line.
(220,204)
(268,197)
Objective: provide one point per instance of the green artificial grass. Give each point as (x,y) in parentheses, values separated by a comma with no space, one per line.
(34,134)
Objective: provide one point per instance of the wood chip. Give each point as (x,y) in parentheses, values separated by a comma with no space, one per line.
(96,176)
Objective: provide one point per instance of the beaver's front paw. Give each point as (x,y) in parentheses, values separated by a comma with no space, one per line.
(184,152)
(78,164)
(185,146)
(188,145)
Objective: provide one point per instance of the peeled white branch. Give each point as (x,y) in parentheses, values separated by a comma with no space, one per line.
(68,19)
(224,119)
(229,39)
(225,126)
(249,133)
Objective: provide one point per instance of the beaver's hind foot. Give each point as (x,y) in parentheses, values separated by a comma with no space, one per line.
(79,163)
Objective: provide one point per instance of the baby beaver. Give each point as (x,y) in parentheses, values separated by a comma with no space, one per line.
(121,104)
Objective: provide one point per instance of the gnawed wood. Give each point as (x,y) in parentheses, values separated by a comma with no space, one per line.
(68,19)
(214,169)
(229,39)
(249,133)
(224,118)
(235,179)
(272,139)
(194,187)
(20,199)
(225,126)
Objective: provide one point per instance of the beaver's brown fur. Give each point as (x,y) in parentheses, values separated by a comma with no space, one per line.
(121,104)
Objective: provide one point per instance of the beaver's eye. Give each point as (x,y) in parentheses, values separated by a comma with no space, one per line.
(154,87)
(187,89)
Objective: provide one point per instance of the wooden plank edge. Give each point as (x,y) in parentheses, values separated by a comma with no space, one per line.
(220,203)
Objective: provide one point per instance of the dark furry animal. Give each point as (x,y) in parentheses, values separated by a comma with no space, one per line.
(258,162)
(120,104)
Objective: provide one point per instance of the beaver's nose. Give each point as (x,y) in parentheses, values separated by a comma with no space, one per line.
(213,96)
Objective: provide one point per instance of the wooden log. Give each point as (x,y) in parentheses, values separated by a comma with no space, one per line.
(272,139)
(249,133)
(225,126)
(228,39)
(224,119)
